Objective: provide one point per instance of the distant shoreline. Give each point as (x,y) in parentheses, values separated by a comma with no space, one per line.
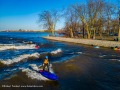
(22,31)
(101,43)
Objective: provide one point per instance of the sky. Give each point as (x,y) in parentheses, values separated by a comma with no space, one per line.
(23,14)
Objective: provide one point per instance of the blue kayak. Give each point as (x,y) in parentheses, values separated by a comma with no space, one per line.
(49,75)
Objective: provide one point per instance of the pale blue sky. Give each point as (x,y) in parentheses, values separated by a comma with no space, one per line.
(23,14)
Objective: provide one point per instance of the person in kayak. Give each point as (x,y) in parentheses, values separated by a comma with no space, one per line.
(46,63)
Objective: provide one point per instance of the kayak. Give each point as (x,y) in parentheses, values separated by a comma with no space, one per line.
(37,47)
(49,75)
(116,49)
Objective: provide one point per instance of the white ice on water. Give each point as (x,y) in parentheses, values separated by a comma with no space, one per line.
(12,46)
(19,58)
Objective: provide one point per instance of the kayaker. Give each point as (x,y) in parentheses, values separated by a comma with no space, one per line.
(46,63)
(37,47)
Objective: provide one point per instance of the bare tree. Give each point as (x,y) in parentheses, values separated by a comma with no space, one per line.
(82,13)
(109,13)
(94,17)
(119,19)
(99,26)
(115,27)
(48,20)
(71,20)
(119,27)
(95,8)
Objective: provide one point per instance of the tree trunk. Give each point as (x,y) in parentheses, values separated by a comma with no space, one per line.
(100,32)
(94,33)
(88,32)
(53,30)
(71,32)
(53,33)
(83,31)
(119,34)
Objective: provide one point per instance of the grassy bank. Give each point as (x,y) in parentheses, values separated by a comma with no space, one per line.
(102,43)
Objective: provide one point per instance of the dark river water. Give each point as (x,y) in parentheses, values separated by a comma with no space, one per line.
(62,52)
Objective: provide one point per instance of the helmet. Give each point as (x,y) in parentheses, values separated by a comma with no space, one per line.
(46,57)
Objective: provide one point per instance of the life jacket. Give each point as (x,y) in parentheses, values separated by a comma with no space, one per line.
(46,61)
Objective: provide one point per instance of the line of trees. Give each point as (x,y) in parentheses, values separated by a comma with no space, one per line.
(95,17)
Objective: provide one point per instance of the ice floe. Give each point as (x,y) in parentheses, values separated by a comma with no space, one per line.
(20,58)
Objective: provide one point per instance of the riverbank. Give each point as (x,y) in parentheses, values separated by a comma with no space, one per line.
(102,43)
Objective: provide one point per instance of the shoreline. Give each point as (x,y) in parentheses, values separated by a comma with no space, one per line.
(101,43)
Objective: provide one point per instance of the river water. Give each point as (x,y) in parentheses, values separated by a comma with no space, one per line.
(57,52)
